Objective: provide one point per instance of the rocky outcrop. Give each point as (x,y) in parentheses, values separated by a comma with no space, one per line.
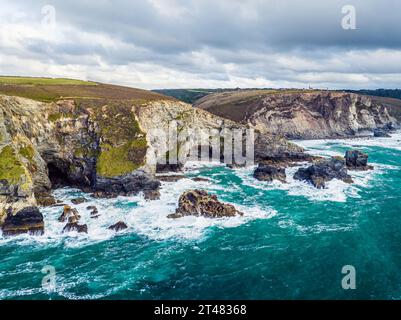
(201,203)
(69,214)
(119,226)
(357,160)
(266,172)
(305,114)
(74,226)
(28,220)
(323,171)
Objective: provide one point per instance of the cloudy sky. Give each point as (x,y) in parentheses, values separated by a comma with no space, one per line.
(204,43)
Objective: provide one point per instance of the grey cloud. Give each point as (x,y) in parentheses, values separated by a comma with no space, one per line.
(283,41)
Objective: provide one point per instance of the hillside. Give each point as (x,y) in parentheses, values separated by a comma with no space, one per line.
(305,113)
(53,89)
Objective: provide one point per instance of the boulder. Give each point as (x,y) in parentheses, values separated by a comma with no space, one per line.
(70,214)
(118,226)
(323,171)
(266,172)
(74,226)
(357,160)
(28,220)
(201,203)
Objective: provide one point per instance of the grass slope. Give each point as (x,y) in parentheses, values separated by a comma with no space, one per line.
(53,89)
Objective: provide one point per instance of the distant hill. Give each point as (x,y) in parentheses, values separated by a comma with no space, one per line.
(192,95)
(386,93)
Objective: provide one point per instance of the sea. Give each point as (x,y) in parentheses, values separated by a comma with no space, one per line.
(293,241)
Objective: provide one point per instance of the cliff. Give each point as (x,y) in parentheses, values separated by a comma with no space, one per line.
(305,114)
(102,141)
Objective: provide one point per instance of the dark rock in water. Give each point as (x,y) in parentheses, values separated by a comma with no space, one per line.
(357,160)
(381,133)
(200,179)
(201,203)
(152,195)
(94,212)
(70,214)
(164,168)
(28,220)
(170,177)
(74,226)
(118,226)
(266,172)
(93,209)
(236,166)
(78,200)
(323,171)
(128,184)
(103,195)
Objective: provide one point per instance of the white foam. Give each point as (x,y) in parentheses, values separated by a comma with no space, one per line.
(323,146)
(144,218)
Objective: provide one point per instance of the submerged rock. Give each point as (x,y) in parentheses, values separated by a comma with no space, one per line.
(28,220)
(357,160)
(201,203)
(200,179)
(266,172)
(78,200)
(94,212)
(118,226)
(70,214)
(323,171)
(170,177)
(152,195)
(74,226)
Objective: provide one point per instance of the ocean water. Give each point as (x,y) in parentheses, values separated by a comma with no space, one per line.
(291,243)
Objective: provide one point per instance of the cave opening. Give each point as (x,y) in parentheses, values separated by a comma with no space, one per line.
(57,175)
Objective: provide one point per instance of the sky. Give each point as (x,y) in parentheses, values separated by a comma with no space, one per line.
(154,44)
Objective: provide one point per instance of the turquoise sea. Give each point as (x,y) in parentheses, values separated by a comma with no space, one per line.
(291,243)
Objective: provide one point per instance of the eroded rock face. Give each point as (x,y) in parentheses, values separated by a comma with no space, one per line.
(323,171)
(118,226)
(28,220)
(266,172)
(304,114)
(201,203)
(357,160)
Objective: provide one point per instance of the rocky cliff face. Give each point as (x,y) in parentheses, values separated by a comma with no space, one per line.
(109,146)
(305,114)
